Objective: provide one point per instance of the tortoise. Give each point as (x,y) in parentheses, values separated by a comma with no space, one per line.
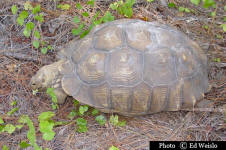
(130,67)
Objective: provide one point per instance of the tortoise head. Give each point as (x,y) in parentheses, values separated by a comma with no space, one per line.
(46,76)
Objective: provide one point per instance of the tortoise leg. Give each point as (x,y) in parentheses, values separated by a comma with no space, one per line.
(61,95)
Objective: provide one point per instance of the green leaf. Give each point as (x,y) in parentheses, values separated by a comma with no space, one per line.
(49,47)
(217,60)
(95,112)
(113,148)
(218,36)
(150,0)
(91,2)
(128,12)
(78,6)
(39,17)
(52,94)
(130,3)
(172,5)
(14,9)
(27,33)
(24,144)
(114,6)
(5,147)
(23,14)
(206,27)
(84,33)
(78,30)
(10,128)
(30,26)
(64,6)
(36,9)
(1,121)
(37,34)
(83,109)
(224,7)
(46,126)
(76,19)
(12,111)
(224,19)
(82,129)
(54,106)
(46,115)
(72,114)
(81,122)
(44,50)
(213,14)
(121,123)
(196,2)
(101,120)
(75,102)
(181,9)
(19,126)
(187,10)
(108,17)
(114,120)
(20,21)
(82,125)
(36,44)
(13,103)
(85,14)
(224,27)
(27,5)
(2,128)
(208,3)
(48,136)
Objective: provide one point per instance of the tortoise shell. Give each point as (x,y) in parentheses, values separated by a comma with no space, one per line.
(134,67)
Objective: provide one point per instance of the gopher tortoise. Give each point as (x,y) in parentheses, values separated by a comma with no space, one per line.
(130,67)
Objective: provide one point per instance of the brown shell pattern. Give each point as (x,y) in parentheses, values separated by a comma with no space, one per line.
(134,67)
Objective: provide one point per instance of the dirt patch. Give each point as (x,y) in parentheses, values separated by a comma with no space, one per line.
(18,62)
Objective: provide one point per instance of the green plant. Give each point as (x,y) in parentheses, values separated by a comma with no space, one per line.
(114,121)
(31,132)
(78,6)
(5,147)
(91,3)
(46,125)
(31,28)
(64,6)
(113,148)
(24,144)
(80,30)
(12,111)
(196,2)
(52,94)
(217,59)
(73,113)
(101,120)
(83,109)
(124,8)
(224,27)
(1,121)
(81,125)
(9,128)
(183,9)
(95,112)
(172,5)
